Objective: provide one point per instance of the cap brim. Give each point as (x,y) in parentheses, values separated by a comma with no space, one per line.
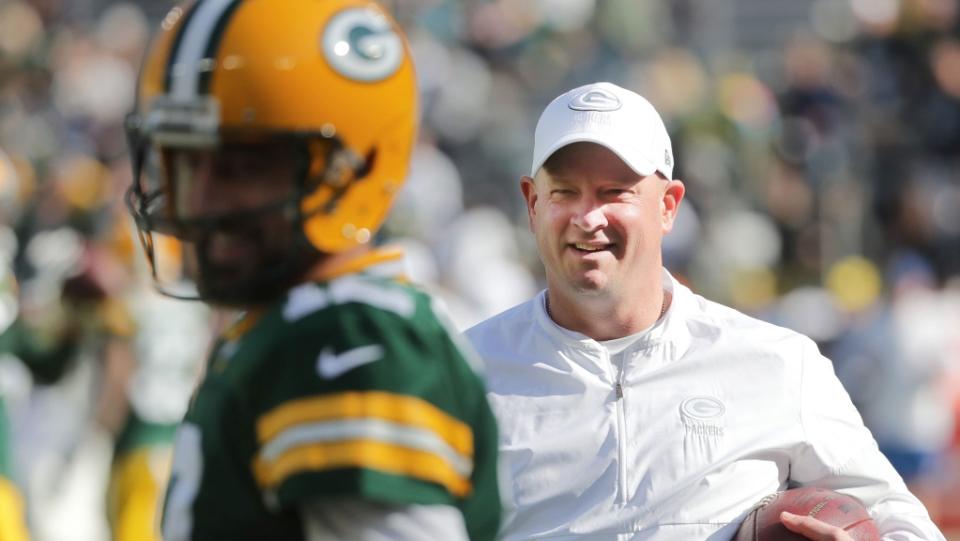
(641,166)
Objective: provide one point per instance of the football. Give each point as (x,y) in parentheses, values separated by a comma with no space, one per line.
(763,522)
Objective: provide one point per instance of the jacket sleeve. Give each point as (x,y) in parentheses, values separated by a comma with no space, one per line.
(840,454)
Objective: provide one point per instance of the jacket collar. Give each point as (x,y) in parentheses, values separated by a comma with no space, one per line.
(670,326)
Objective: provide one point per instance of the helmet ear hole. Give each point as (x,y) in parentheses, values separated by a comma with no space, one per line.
(319,155)
(338,167)
(368,163)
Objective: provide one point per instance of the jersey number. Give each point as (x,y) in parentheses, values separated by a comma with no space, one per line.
(184,484)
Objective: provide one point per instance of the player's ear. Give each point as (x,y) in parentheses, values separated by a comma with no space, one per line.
(673,191)
(529,188)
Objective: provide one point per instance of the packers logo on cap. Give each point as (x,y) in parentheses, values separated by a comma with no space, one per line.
(360,44)
(595,100)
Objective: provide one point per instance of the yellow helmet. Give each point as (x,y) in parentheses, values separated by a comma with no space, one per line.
(333,78)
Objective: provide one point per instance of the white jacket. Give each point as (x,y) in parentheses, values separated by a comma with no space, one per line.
(714,411)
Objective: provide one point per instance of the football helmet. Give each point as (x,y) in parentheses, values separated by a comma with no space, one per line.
(326,86)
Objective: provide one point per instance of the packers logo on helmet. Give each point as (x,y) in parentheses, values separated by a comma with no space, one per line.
(325,85)
(360,44)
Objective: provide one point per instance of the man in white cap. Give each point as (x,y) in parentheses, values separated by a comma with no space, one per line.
(631,408)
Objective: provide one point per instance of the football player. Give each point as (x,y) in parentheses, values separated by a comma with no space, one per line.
(268,141)
(168,342)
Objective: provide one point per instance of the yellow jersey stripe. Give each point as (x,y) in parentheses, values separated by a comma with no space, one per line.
(242,325)
(386,257)
(394,408)
(365,429)
(368,454)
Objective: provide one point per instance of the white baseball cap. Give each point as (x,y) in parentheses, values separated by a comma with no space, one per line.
(606,114)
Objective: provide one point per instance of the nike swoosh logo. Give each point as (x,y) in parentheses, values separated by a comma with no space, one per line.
(331,365)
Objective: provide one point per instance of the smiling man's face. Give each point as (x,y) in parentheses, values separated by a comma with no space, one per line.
(598,223)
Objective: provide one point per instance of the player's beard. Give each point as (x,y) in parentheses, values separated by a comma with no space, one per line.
(261,262)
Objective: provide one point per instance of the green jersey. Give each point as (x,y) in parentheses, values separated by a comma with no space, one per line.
(346,389)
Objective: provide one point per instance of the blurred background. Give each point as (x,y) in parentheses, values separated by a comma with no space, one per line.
(819,141)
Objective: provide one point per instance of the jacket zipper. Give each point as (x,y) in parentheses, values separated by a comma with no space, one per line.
(621,425)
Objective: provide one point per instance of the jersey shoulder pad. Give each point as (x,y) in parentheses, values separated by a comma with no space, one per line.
(369,400)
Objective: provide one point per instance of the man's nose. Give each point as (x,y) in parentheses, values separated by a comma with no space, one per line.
(589,216)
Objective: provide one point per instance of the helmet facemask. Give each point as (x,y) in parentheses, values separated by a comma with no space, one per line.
(224,222)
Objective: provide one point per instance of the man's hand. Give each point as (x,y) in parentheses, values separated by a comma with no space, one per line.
(812,528)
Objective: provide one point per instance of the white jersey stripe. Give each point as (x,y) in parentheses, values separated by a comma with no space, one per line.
(306,299)
(371,429)
(357,289)
(185,71)
(388,269)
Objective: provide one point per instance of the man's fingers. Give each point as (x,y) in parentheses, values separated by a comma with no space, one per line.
(812,528)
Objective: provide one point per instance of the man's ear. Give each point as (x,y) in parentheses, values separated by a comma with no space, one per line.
(529,188)
(673,191)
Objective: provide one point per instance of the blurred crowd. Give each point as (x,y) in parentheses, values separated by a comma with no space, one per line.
(819,141)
